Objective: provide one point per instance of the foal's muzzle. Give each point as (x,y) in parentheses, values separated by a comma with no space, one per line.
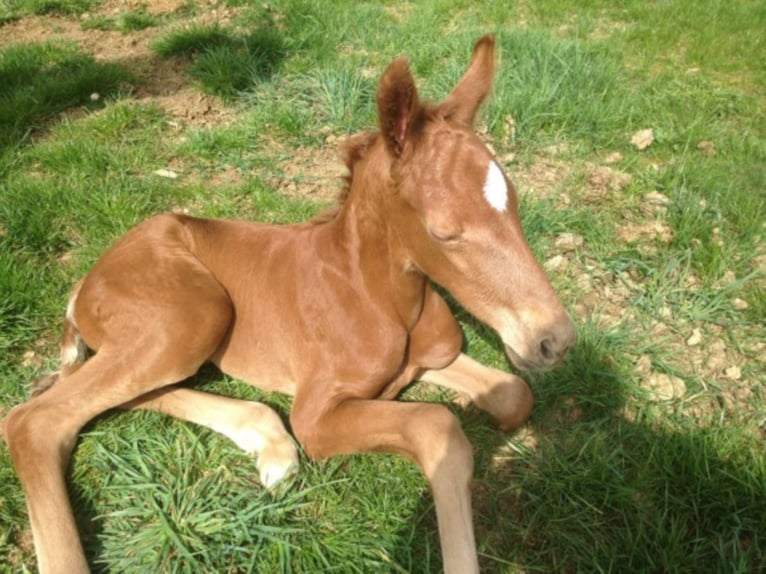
(548,349)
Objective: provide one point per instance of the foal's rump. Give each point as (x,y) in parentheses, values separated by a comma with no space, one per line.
(153,286)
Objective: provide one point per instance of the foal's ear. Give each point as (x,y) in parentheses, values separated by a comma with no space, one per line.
(461,105)
(397,104)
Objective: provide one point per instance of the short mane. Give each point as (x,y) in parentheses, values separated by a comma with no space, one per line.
(351,151)
(355,147)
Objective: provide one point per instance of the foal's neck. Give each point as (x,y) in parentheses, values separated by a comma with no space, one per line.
(366,232)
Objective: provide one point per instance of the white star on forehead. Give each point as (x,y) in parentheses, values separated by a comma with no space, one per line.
(495,189)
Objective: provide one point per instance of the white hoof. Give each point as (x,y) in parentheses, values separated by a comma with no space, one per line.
(278,461)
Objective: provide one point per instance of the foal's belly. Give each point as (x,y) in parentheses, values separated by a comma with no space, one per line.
(257,377)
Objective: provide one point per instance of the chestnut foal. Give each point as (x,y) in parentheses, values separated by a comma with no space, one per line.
(338,312)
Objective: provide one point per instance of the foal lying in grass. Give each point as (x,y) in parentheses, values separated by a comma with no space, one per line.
(339,312)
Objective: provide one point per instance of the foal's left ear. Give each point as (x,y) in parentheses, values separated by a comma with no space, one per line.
(397,104)
(461,105)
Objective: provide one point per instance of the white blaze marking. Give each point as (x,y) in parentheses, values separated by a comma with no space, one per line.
(495,189)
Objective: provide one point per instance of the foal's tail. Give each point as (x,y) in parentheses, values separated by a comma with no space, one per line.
(73,350)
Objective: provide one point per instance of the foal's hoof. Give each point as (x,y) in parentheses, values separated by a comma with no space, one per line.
(509,403)
(277,462)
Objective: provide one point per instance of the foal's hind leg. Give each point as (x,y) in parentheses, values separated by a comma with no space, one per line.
(504,396)
(166,346)
(254,427)
(42,432)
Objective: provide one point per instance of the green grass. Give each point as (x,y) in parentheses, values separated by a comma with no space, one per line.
(128,22)
(607,476)
(42,79)
(225,63)
(11,10)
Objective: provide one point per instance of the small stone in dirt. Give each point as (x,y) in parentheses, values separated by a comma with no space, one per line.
(739,304)
(168,173)
(691,281)
(695,339)
(652,230)
(706,147)
(510,128)
(554,263)
(603,179)
(527,437)
(733,372)
(664,387)
(584,281)
(716,358)
(665,312)
(642,139)
(656,198)
(556,149)
(569,241)
(726,279)
(643,365)
(654,204)
(29,358)
(508,158)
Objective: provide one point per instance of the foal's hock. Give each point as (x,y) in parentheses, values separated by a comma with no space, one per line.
(339,312)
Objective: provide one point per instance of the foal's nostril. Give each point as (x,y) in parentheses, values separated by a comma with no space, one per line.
(547,350)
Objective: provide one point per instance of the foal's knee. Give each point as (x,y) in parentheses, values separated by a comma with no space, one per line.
(31,435)
(444,448)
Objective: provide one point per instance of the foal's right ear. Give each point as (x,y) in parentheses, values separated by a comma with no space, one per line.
(461,105)
(397,104)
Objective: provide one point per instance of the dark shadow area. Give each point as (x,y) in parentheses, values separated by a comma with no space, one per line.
(588,487)
(38,81)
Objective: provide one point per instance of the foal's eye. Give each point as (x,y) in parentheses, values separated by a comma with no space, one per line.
(445,235)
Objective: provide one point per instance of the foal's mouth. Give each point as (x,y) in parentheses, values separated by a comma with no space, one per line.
(542,362)
(525,364)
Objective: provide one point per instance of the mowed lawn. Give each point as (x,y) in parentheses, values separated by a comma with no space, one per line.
(636,135)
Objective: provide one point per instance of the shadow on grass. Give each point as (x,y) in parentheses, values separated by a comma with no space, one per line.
(584,487)
(38,81)
(587,488)
(225,63)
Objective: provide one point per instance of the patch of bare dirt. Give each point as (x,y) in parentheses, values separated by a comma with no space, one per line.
(106,45)
(154,7)
(542,177)
(20,551)
(645,233)
(160,80)
(312,173)
(604,180)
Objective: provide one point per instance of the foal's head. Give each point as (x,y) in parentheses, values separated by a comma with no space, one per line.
(460,213)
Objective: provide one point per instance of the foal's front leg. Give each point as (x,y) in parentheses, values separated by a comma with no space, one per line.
(428,434)
(504,396)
